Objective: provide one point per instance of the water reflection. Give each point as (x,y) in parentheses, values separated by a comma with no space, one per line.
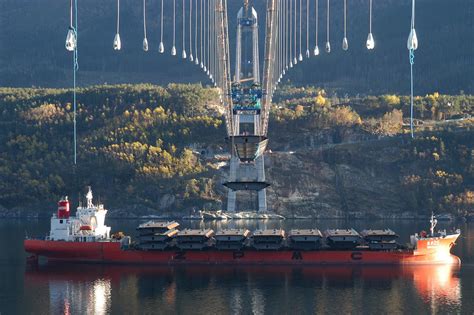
(236,302)
(94,297)
(72,291)
(255,289)
(100,301)
(438,285)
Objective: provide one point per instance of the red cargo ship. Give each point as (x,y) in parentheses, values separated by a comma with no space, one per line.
(85,238)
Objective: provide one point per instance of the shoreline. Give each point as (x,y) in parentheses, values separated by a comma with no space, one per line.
(180,218)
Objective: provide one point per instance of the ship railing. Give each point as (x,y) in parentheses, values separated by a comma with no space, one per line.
(39,238)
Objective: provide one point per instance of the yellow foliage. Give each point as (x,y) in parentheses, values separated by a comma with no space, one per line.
(159,110)
(392,100)
(435,95)
(320,100)
(411,179)
(441,173)
(432,98)
(345,116)
(46,113)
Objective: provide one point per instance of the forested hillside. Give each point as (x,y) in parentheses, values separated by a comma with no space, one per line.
(32,35)
(151,149)
(133,142)
(355,157)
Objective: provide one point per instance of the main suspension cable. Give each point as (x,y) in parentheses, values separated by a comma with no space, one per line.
(281,26)
(117,41)
(212,39)
(370,43)
(307,29)
(173,49)
(204,42)
(71,45)
(196,60)
(183,54)
(190,30)
(161,48)
(200,38)
(76,68)
(328,44)
(316,47)
(145,40)
(370,16)
(291,33)
(300,57)
(295,60)
(345,44)
(208,37)
(412,45)
(287,34)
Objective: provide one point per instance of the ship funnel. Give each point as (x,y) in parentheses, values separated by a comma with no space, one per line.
(63,208)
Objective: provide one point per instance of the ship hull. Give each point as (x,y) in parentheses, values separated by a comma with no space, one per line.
(429,251)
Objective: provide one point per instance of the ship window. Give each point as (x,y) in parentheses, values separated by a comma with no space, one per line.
(60,221)
(84,239)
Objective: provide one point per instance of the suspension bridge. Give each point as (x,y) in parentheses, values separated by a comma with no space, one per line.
(200,36)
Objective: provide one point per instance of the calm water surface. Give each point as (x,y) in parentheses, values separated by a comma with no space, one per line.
(95,289)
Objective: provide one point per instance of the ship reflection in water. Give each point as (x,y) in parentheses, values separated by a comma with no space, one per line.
(92,289)
(79,296)
(439,283)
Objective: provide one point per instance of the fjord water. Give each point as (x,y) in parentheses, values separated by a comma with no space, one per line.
(98,289)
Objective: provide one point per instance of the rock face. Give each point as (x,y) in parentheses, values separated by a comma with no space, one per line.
(303,184)
(167,201)
(347,180)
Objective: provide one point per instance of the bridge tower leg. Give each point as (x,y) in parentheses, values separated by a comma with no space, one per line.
(262,194)
(248,143)
(247,177)
(232,194)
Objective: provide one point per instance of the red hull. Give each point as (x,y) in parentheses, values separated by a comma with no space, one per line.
(110,252)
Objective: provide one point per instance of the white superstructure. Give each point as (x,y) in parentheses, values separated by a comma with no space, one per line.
(87,226)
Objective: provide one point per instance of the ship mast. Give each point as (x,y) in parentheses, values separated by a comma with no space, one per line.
(89,198)
(433,222)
